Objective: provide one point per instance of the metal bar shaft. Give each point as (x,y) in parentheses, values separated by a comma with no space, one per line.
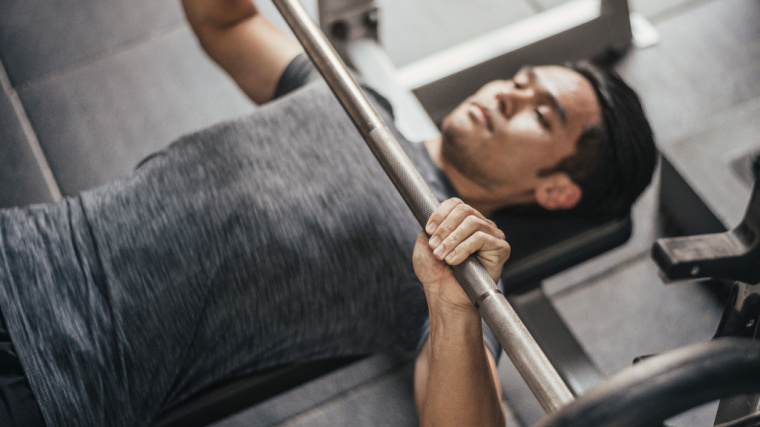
(522,349)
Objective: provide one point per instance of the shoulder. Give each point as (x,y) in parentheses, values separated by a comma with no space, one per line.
(301,72)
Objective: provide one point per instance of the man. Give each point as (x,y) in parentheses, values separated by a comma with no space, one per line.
(277,238)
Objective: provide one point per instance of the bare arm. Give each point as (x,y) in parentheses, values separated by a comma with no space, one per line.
(242,41)
(464,382)
(455,379)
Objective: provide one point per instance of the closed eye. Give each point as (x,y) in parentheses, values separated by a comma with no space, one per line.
(543,120)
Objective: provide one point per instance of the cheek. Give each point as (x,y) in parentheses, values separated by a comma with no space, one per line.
(526,126)
(457,119)
(526,135)
(531,143)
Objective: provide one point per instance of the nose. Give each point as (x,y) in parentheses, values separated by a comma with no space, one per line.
(511,100)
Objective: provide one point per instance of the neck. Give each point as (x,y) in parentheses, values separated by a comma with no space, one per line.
(484,198)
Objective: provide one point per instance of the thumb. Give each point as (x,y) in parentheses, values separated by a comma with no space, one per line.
(427,268)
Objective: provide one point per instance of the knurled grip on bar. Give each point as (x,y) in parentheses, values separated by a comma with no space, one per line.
(517,342)
(530,361)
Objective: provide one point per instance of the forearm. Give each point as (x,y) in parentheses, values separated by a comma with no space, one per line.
(455,378)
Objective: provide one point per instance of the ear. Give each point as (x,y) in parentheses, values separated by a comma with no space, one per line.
(557,191)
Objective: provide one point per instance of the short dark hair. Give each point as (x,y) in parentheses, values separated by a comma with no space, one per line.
(615,160)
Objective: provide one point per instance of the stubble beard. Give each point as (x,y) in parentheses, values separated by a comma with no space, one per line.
(459,154)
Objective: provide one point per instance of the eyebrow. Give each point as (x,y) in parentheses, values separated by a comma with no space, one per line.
(550,97)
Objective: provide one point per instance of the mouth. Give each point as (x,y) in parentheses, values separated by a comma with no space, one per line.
(482,115)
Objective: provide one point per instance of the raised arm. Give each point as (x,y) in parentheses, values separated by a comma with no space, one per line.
(244,42)
(455,379)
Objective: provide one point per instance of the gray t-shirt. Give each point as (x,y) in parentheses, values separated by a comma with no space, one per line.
(269,239)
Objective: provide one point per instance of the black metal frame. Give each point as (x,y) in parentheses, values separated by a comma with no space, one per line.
(728,256)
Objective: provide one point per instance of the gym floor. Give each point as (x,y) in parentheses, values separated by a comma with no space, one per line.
(84,83)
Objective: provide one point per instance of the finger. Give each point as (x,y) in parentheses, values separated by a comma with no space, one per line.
(466,227)
(487,247)
(441,287)
(441,212)
(492,252)
(451,206)
(427,268)
(454,224)
(451,216)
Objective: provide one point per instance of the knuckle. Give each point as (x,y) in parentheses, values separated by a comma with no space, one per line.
(503,260)
(459,210)
(464,248)
(446,228)
(473,221)
(482,236)
(507,251)
(450,242)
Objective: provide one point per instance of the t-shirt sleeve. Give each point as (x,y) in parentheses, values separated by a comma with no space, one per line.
(298,73)
(301,71)
(488,336)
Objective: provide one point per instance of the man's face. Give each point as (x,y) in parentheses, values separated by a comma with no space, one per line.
(509,130)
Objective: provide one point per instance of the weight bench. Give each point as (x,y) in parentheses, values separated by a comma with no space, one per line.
(24,173)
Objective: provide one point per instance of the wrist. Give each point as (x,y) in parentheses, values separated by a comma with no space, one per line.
(447,297)
(454,321)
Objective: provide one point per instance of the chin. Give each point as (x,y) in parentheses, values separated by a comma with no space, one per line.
(456,153)
(451,141)
(455,131)
(458,140)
